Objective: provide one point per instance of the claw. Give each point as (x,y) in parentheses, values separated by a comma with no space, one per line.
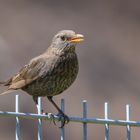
(64,119)
(51,117)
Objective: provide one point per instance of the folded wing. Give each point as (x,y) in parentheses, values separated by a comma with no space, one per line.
(27,74)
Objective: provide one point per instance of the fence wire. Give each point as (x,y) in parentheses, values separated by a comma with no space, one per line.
(106,121)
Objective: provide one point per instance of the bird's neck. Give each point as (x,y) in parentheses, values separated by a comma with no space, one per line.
(69,49)
(58,51)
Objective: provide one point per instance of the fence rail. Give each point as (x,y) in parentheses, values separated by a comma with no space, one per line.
(84,120)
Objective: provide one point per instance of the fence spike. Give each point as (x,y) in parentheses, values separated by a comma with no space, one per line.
(106,118)
(84,116)
(62,131)
(17,118)
(128,119)
(40,131)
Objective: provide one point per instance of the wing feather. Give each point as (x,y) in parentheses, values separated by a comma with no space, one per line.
(27,74)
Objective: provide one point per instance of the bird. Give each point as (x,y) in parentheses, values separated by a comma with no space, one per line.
(50,73)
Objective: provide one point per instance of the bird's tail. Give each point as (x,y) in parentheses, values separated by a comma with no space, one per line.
(7,91)
(2,83)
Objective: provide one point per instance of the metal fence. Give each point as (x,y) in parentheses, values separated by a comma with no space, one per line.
(106,121)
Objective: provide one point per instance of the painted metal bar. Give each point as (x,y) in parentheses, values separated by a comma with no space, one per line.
(128,119)
(85,116)
(17,118)
(72,119)
(62,130)
(106,125)
(40,131)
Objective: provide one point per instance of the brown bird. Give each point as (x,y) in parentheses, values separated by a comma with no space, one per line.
(50,73)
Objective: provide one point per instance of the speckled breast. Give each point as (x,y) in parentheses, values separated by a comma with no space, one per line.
(57,79)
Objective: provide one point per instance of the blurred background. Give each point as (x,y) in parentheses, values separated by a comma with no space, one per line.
(109,61)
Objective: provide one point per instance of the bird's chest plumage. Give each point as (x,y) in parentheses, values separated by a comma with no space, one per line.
(58,78)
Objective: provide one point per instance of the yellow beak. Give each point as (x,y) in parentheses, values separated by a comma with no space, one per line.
(77,38)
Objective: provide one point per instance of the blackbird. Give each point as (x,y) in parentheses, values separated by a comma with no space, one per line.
(50,73)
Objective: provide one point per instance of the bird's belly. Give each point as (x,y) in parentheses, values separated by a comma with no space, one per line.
(52,84)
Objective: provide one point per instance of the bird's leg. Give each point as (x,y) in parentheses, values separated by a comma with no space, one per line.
(50,115)
(36,102)
(61,113)
(35,98)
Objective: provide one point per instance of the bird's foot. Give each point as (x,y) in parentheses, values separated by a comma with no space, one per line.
(50,116)
(63,118)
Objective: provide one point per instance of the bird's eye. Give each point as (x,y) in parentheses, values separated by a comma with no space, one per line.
(63,38)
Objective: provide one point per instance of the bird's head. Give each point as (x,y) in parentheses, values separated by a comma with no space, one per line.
(66,40)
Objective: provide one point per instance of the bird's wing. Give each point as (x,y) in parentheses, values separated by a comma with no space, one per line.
(27,74)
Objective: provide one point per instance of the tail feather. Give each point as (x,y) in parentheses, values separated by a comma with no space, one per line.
(7,91)
(2,83)
(6,83)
